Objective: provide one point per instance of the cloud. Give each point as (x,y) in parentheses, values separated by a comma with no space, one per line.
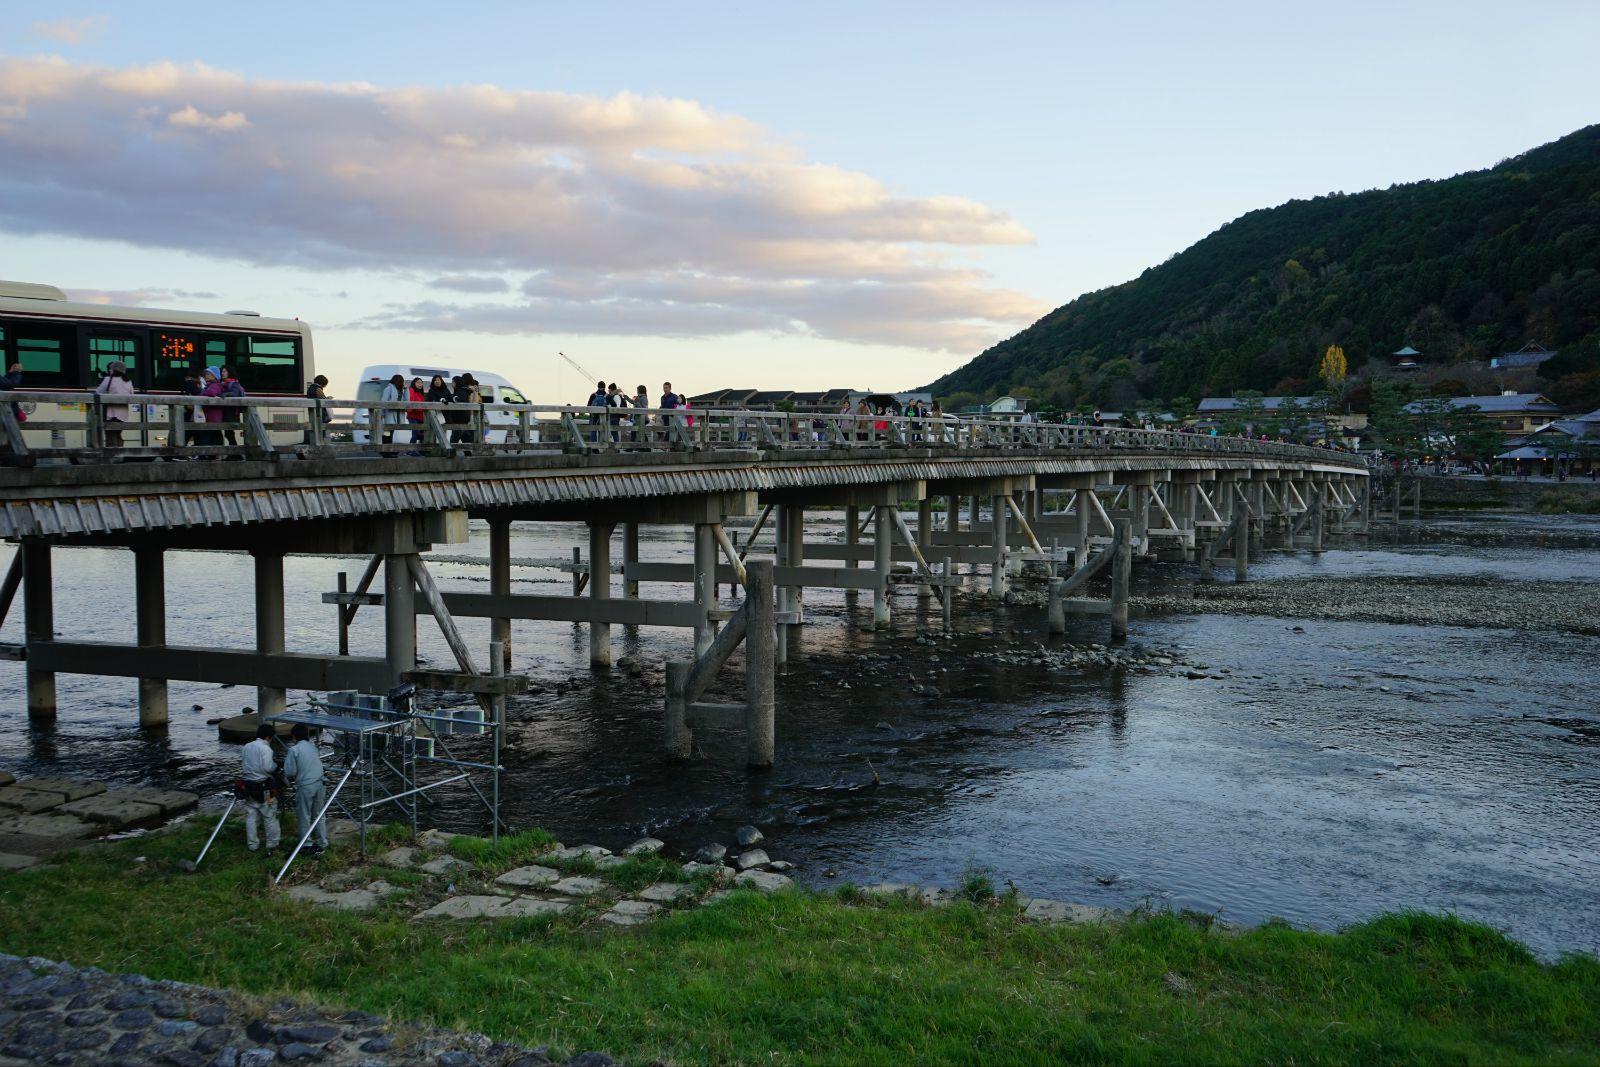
(71,31)
(137,297)
(631,213)
(471,283)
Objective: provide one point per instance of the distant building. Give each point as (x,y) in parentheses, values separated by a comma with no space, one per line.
(1000,405)
(1213,411)
(1406,359)
(1529,355)
(1516,414)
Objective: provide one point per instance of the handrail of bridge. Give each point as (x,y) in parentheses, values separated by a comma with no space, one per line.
(167,426)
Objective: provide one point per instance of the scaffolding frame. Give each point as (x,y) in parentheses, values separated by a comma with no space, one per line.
(383,744)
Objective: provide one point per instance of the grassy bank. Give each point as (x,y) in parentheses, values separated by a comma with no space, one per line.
(802,978)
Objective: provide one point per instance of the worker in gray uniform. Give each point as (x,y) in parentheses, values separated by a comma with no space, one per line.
(256,788)
(303,768)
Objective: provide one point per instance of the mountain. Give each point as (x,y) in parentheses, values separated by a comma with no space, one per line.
(1462,268)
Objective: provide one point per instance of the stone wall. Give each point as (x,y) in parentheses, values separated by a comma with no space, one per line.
(1506,493)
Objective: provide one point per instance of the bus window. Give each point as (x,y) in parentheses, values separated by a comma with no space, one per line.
(225,350)
(271,365)
(174,360)
(48,354)
(104,351)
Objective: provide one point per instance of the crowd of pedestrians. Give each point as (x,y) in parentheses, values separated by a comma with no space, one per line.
(609,417)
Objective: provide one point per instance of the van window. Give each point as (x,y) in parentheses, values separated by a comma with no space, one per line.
(509,395)
(370,390)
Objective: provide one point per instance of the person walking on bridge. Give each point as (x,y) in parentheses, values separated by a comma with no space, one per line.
(302,767)
(257,790)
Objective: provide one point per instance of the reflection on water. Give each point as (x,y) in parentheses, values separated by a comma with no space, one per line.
(1335,772)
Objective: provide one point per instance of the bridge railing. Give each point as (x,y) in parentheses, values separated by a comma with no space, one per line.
(87,428)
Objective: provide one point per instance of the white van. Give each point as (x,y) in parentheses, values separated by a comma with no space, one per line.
(492,387)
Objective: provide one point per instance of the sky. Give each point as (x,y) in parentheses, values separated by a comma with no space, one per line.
(755,195)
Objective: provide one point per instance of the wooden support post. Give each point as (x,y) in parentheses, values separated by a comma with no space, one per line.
(1241,544)
(500,585)
(577,578)
(1058,612)
(150,623)
(1082,512)
(925,541)
(882,541)
(1319,491)
(780,552)
(600,589)
(399,616)
(705,573)
(1121,577)
(269,622)
(796,533)
(676,738)
(344,624)
(759,685)
(38,622)
(997,525)
(949,593)
(10,585)
(972,514)
(852,537)
(630,556)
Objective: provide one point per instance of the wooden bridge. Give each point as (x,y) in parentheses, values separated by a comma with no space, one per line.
(391,481)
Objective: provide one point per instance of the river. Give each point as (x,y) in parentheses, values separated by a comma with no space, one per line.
(1323,772)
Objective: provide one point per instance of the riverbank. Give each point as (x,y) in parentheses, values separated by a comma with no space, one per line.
(802,977)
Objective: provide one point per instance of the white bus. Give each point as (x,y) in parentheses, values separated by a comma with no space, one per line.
(64,345)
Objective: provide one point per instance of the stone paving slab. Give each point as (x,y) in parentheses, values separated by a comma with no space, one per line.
(51,825)
(527,907)
(349,900)
(444,865)
(576,852)
(765,881)
(607,863)
(30,801)
(630,913)
(112,812)
(530,877)
(402,857)
(579,886)
(69,788)
(1059,911)
(464,907)
(170,801)
(664,892)
(11,861)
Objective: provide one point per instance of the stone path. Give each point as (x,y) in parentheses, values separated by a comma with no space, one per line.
(589,883)
(41,816)
(54,1013)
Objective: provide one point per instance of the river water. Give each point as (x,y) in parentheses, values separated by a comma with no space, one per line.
(1335,769)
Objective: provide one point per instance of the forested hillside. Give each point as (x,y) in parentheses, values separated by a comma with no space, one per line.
(1463,269)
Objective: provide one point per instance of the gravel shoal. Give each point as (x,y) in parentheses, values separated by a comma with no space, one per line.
(1562,607)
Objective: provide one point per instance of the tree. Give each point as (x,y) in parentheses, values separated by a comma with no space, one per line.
(1291,416)
(1389,421)
(1249,414)
(1334,369)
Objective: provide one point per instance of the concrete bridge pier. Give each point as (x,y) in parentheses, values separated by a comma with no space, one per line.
(271,700)
(38,623)
(1319,498)
(997,526)
(600,592)
(399,615)
(852,537)
(630,556)
(150,624)
(882,557)
(500,584)
(925,542)
(705,577)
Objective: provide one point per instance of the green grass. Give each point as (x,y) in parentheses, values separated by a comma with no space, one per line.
(804,978)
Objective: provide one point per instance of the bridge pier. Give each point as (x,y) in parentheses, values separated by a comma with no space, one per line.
(925,542)
(38,623)
(882,556)
(630,556)
(271,700)
(399,615)
(852,538)
(150,624)
(500,585)
(999,513)
(600,591)
(705,577)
